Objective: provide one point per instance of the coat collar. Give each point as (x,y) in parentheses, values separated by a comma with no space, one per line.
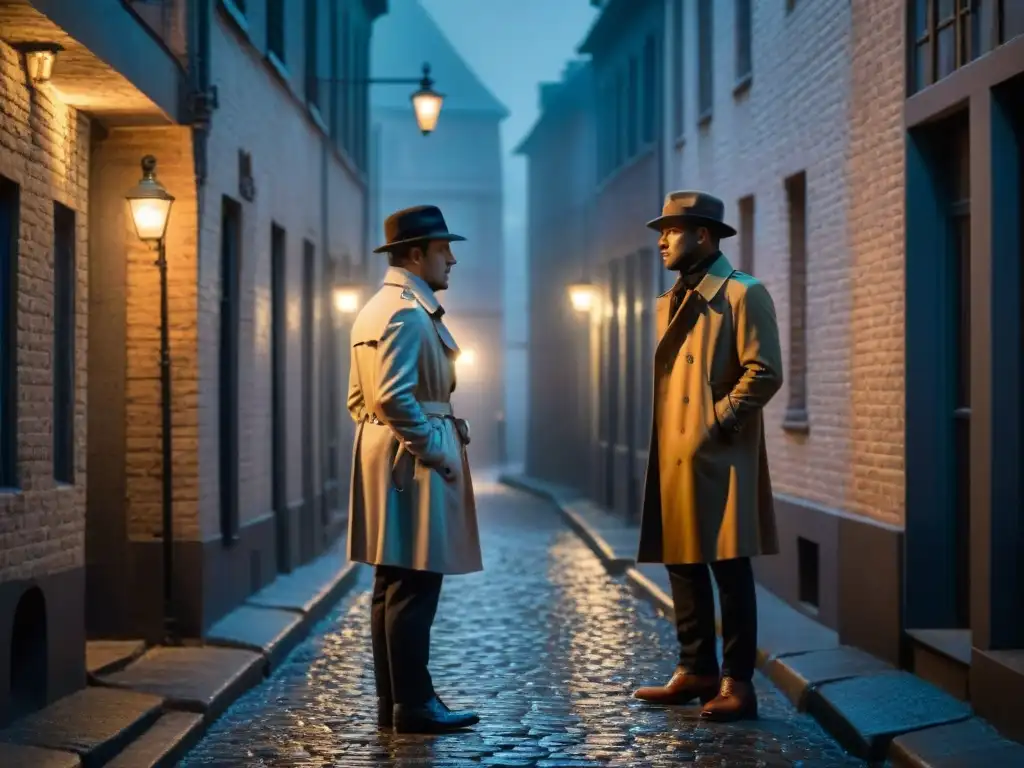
(406,280)
(709,286)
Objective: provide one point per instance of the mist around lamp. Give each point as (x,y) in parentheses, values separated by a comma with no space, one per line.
(347,299)
(583,296)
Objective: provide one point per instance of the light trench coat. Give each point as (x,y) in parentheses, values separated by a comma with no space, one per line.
(708,494)
(402,512)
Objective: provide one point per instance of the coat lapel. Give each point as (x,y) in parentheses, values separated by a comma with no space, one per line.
(709,286)
(428,300)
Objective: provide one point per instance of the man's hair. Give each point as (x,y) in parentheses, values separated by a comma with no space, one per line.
(399,255)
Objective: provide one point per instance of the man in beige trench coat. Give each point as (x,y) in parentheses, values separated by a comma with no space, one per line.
(412,513)
(708,497)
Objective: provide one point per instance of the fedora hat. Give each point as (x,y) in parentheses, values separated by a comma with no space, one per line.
(690,207)
(418,224)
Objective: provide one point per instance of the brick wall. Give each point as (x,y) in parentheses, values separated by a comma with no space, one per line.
(826,99)
(44,147)
(291,171)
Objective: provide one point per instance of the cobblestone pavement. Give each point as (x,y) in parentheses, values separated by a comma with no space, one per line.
(543,643)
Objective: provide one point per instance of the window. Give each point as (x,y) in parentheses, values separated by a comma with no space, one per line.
(744,41)
(312,53)
(64,277)
(10,205)
(275,29)
(678,78)
(650,78)
(345,91)
(335,70)
(278,386)
(308,297)
(228,406)
(621,116)
(947,34)
(957,177)
(705,56)
(746,207)
(632,110)
(796,410)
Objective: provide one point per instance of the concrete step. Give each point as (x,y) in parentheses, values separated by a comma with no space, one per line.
(203,680)
(18,756)
(270,631)
(164,744)
(105,656)
(93,723)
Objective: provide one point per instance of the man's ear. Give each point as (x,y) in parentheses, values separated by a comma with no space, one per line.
(415,254)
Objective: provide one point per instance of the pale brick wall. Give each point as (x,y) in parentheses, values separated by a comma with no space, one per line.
(121,152)
(826,98)
(259,115)
(44,147)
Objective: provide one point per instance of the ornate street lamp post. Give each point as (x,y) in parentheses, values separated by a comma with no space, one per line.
(150,204)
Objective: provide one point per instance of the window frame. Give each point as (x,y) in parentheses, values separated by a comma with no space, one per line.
(65,278)
(705,61)
(10,203)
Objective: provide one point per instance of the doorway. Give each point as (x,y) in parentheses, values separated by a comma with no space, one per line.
(278,360)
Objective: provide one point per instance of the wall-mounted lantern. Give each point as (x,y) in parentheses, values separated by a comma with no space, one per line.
(583,296)
(40,59)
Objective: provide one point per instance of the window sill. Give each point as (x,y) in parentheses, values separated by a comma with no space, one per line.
(234,13)
(314,112)
(279,68)
(9,490)
(743,85)
(704,120)
(795,422)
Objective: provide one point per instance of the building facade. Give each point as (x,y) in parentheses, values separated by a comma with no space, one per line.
(870,155)
(559,153)
(257,237)
(458,168)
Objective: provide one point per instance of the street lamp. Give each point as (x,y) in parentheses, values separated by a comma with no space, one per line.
(426,102)
(39,61)
(150,205)
(582,296)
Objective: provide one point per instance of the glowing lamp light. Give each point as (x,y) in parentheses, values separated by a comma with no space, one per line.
(150,204)
(346,299)
(40,59)
(466,358)
(426,103)
(582,296)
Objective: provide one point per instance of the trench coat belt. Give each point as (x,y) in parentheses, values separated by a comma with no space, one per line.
(437,409)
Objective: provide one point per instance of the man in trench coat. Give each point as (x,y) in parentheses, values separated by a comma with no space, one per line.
(412,513)
(707,496)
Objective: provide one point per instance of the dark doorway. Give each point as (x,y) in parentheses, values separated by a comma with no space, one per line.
(230,254)
(307,535)
(278,397)
(29,646)
(331,436)
(65,276)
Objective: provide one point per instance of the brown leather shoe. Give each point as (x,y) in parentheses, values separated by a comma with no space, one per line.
(681,689)
(735,701)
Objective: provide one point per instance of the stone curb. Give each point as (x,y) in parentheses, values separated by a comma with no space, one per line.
(817,681)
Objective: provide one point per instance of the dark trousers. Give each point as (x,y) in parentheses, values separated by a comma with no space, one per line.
(402,611)
(694,606)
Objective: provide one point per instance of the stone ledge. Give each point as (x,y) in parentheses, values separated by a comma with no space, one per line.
(272,632)
(866,713)
(164,744)
(93,723)
(105,656)
(797,674)
(200,679)
(967,744)
(19,756)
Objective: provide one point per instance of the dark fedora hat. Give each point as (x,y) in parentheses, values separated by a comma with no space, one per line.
(689,207)
(419,224)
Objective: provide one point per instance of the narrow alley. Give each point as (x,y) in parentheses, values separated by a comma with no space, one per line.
(544,644)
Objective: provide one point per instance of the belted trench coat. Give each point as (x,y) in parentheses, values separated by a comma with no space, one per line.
(402,512)
(708,494)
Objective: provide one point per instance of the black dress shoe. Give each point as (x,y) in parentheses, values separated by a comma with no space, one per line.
(385,714)
(432,717)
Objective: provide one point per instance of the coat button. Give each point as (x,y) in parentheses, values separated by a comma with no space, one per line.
(686,400)
(689,359)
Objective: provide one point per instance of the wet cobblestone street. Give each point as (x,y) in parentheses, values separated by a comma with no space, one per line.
(544,644)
